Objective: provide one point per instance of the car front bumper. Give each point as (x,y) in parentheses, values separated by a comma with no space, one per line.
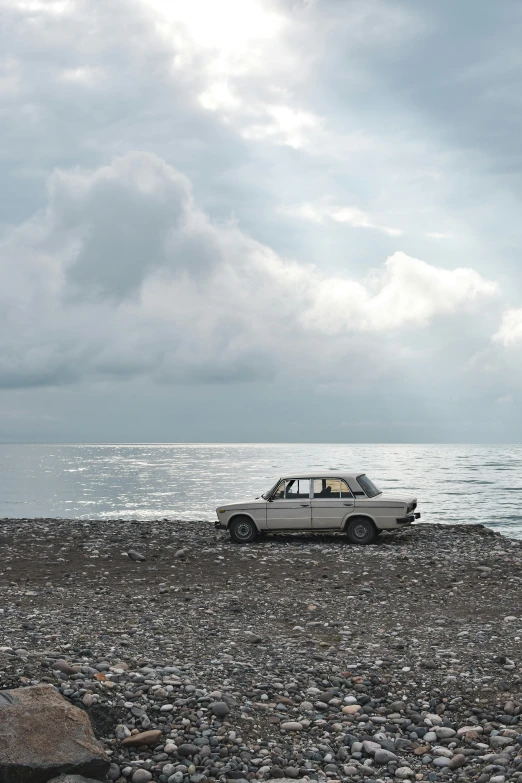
(407,520)
(221,525)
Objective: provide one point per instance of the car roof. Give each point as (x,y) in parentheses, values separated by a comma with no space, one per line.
(307,474)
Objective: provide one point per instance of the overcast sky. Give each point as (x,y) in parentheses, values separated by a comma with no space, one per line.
(256,220)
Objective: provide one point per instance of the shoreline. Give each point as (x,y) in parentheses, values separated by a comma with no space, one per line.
(418,635)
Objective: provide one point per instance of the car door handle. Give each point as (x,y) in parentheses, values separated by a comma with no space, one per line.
(305,505)
(347,504)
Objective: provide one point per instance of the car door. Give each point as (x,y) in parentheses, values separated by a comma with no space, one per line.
(290,507)
(332,500)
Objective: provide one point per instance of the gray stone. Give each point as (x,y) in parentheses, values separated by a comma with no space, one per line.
(42,736)
(292,725)
(114,772)
(219,709)
(187,749)
(136,556)
(437,750)
(498,742)
(141,776)
(404,772)
(444,732)
(384,756)
(253,638)
(121,731)
(370,747)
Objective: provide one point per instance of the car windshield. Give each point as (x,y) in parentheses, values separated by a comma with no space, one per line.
(270,491)
(370,490)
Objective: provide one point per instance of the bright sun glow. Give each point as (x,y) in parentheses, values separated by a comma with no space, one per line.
(220,43)
(230,27)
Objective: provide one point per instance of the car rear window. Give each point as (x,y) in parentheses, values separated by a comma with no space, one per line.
(370,490)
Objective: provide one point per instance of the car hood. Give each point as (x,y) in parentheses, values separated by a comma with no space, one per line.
(243,504)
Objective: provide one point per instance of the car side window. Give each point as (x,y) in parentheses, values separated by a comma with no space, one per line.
(327,488)
(331,489)
(297,489)
(345,490)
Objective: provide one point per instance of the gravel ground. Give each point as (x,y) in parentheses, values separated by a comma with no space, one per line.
(296,657)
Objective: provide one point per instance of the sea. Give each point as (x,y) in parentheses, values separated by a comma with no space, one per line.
(454,484)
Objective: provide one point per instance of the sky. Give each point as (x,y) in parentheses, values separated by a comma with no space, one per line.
(260,220)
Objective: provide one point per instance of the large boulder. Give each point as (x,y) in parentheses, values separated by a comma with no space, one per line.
(42,736)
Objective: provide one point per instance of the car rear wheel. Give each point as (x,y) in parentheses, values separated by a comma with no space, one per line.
(361,531)
(242,530)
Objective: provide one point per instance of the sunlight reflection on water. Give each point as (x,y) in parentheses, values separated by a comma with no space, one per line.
(453,484)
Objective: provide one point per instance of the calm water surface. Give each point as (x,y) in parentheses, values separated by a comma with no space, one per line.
(453,484)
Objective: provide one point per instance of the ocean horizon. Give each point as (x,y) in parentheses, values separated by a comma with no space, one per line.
(454,483)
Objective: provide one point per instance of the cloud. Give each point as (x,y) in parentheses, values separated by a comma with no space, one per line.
(408,291)
(510,331)
(353,216)
(283,124)
(125,276)
(238,51)
(40,6)
(124,265)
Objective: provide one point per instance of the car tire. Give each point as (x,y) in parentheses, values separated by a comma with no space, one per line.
(242,530)
(361,531)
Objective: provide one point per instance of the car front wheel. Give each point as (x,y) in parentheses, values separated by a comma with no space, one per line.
(361,531)
(243,530)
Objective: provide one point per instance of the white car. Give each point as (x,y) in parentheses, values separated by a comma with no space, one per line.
(319,502)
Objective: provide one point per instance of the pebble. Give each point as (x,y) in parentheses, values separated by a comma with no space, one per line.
(141,776)
(370,747)
(143,738)
(64,667)
(403,773)
(384,756)
(367,689)
(114,772)
(219,709)
(137,557)
(459,760)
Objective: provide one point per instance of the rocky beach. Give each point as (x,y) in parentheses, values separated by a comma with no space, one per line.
(298,657)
